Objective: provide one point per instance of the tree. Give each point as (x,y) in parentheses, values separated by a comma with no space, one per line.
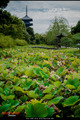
(3,3)
(67,42)
(76,29)
(11,25)
(31,34)
(59,25)
(76,39)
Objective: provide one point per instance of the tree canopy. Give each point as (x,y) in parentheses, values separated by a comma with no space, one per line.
(76,29)
(11,25)
(3,3)
(59,25)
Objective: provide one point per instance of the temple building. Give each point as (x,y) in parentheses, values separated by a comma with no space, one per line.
(27,20)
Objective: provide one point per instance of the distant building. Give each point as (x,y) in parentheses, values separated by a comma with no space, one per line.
(27,20)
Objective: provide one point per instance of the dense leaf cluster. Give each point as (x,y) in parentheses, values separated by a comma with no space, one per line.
(4,3)
(11,25)
(40,83)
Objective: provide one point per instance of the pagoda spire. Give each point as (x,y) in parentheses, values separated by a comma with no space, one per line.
(26,10)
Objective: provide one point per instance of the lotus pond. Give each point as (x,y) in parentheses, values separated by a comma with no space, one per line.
(39,83)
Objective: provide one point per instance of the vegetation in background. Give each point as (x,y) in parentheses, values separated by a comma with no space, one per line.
(31,35)
(8,41)
(40,38)
(67,42)
(76,29)
(3,3)
(59,25)
(13,26)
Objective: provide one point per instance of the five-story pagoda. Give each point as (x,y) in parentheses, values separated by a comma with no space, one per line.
(27,20)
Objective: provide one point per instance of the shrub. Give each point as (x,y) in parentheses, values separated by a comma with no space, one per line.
(13,26)
(20,42)
(37,41)
(6,41)
(76,38)
(65,41)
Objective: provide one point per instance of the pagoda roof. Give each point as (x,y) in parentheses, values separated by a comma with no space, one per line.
(60,35)
(27,18)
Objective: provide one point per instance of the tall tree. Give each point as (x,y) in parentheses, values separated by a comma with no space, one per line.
(76,29)
(59,26)
(3,3)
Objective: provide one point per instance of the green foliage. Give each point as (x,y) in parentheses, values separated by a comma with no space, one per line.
(7,97)
(36,110)
(8,41)
(39,82)
(76,39)
(67,42)
(48,90)
(59,25)
(31,35)
(55,100)
(20,42)
(40,38)
(76,29)
(20,108)
(4,3)
(11,25)
(71,101)
(32,94)
(4,107)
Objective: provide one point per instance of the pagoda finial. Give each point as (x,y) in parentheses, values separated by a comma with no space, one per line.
(26,10)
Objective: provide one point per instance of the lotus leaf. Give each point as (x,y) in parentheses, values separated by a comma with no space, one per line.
(48,89)
(55,100)
(32,94)
(70,101)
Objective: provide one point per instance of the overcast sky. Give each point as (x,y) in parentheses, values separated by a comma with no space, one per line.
(43,12)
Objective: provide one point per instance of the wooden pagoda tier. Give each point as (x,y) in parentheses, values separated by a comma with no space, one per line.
(27,20)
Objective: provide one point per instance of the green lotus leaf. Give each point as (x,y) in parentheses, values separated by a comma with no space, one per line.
(40,110)
(29,111)
(74,82)
(7,97)
(71,87)
(16,88)
(60,70)
(29,72)
(23,98)
(54,92)
(4,107)
(48,89)
(1,83)
(78,89)
(26,84)
(20,108)
(76,75)
(55,100)
(37,71)
(36,110)
(32,94)
(57,84)
(13,103)
(48,96)
(1,91)
(54,77)
(70,101)
(50,111)
(44,75)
